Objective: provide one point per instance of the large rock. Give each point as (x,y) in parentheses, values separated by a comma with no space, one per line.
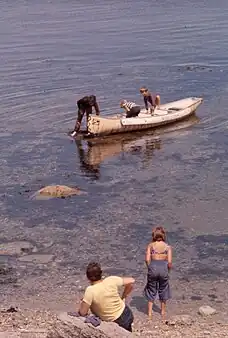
(206,310)
(73,327)
(56,191)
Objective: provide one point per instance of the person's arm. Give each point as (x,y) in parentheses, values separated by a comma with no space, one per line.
(128,286)
(86,302)
(125,107)
(96,108)
(146,102)
(83,309)
(148,255)
(170,258)
(152,101)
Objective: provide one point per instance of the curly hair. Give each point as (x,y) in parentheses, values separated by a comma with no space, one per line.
(94,272)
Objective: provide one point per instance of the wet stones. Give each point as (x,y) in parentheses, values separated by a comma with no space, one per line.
(7,275)
(37,258)
(180,320)
(17,248)
(22,252)
(56,191)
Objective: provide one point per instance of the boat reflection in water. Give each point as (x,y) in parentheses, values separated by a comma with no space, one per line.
(92,152)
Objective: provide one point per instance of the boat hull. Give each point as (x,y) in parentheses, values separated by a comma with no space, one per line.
(165,114)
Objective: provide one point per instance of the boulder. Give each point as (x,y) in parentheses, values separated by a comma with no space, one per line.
(206,310)
(56,191)
(73,327)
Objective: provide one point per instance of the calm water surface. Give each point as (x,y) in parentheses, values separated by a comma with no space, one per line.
(54,52)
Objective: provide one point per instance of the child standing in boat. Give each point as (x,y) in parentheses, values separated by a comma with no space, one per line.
(148,98)
(159,262)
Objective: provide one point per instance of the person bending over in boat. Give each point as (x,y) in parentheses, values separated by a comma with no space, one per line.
(159,262)
(85,105)
(148,98)
(132,109)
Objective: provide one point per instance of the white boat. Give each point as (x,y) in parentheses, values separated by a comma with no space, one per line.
(164,114)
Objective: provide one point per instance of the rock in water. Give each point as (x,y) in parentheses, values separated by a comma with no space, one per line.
(72,327)
(16,248)
(56,191)
(7,275)
(206,310)
(37,258)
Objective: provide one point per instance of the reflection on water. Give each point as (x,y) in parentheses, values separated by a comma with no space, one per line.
(92,169)
(93,152)
(175,176)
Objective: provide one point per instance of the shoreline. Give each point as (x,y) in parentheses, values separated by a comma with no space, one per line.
(40,312)
(186,324)
(43,288)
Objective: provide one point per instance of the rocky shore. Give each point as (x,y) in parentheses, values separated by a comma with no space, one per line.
(25,323)
(36,295)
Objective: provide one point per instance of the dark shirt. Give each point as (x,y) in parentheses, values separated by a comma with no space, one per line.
(87,102)
(149,99)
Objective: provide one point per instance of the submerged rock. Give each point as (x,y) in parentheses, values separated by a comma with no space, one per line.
(37,258)
(56,191)
(16,248)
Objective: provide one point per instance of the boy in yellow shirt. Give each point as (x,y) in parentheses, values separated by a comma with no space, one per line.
(103,299)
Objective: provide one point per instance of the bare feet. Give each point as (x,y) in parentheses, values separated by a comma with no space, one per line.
(150,316)
(150,307)
(163,314)
(163,309)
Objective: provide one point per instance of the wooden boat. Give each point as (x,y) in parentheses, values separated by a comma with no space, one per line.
(164,114)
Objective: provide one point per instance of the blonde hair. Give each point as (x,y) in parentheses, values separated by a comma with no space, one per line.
(158,234)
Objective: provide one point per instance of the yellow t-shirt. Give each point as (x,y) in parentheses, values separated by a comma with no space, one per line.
(104,298)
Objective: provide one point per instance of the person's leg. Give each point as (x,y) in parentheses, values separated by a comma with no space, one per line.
(137,110)
(150,290)
(133,112)
(126,319)
(150,309)
(163,308)
(129,114)
(163,288)
(157,100)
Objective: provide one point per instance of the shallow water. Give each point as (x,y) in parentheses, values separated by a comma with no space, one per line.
(51,54)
